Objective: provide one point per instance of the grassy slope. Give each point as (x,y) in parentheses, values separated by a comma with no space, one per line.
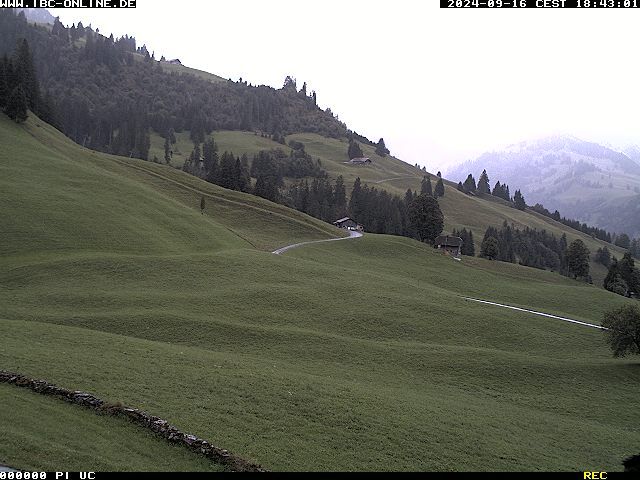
(460,210)
(43,434)
(193,71)
(349,355)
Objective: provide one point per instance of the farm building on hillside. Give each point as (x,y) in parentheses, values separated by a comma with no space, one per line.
(348,224)
(449,244)
(175,61)
(360,161)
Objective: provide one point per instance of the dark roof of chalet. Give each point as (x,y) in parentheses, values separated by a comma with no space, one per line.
(345,219)
(449,241)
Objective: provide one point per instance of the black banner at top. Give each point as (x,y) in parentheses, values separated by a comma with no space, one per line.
(588,4)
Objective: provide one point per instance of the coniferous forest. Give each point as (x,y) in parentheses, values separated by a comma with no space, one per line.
(107,93)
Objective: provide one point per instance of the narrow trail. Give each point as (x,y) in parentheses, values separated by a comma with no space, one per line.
(280,251)
(537,313)
(394,178)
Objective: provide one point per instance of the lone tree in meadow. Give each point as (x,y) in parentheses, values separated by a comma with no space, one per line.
(381,148)
(623,334)
(202,205)
(578,259)
(425,186)
(354,150)
(439,190)
(426,218)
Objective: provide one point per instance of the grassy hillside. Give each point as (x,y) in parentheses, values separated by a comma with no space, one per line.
(392,175)
(395,176)
(169,67)
(44,434)
(354,355)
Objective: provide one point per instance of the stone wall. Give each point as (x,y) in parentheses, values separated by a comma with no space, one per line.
(156,424)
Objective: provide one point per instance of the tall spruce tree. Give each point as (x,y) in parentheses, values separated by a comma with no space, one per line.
(4,81)
(578,259)
(381,148)
(483,183)
(167,151)
(469,185)
(425,185)
(354,150)
(426,218)
(26,75)
(16,108)
(340,198)
(518,200)
(356,202)
(439,190)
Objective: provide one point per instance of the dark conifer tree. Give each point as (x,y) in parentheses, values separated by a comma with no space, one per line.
(426,218)
(623,241)
(460,187)
(268,177)
(227,172)
(210,158)
(469,185)
(354,150)
(356,202)
(603,256)
(518,200)
(4,81)
(381,148)
(498,190)
(16,108)
(167,151)
(439,190)
(340,198)
(507,195)
(489,248)
(578,259)
(425,186)
(483,183)
(468,246)
(25,74)
(241,173)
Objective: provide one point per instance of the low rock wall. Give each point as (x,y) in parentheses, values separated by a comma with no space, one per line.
(156,424)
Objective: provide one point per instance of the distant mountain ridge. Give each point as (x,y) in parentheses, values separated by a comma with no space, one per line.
(38,15)
(581,179)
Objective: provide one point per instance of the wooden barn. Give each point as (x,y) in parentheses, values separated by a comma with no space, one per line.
(347,223)
(449,244)
(360,161)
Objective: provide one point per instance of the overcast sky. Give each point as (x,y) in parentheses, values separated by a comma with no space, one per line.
(440,85)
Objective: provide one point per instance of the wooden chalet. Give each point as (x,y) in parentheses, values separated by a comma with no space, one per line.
(360,161)
(348,224)
(449,244)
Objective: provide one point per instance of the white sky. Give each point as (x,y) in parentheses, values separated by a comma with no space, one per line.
(439,85)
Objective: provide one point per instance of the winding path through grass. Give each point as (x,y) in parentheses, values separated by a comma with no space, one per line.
(353,234)
(570,320)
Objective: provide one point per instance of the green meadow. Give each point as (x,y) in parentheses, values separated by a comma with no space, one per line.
(352,355)
(39,433)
